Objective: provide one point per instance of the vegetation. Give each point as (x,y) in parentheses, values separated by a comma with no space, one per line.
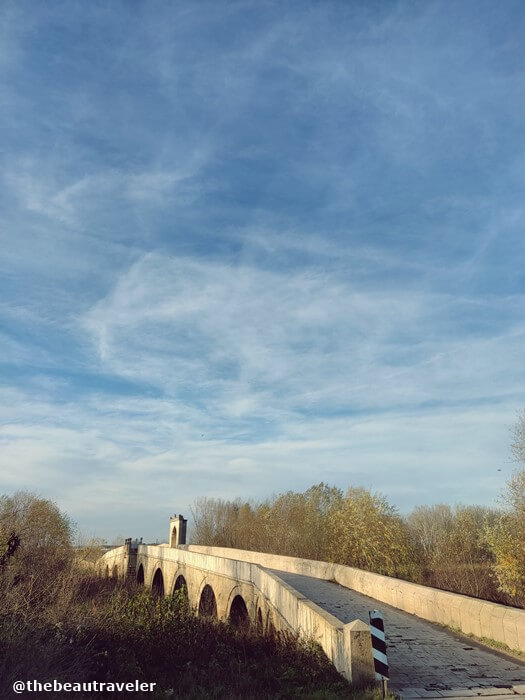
(452,548)
(358,528)
(486,641)
(507,540)
(59,621)
(473,550)
(507,536)
(368,533)
(457,555)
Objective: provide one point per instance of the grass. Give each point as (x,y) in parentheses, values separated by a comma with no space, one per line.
(109,632)
(486,641)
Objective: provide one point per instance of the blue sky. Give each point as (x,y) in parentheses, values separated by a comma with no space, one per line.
(249,246)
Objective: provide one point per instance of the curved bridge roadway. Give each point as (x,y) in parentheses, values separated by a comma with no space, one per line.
(425,660)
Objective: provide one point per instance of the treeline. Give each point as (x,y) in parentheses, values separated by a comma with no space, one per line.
(474,550)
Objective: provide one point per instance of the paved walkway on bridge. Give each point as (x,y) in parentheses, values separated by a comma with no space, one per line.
(425,660)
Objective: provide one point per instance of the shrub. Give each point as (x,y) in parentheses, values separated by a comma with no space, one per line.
(506,539)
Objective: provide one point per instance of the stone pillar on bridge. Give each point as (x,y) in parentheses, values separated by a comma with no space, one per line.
(358,651)
(177,530)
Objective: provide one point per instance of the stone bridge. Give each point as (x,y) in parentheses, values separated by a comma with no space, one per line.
(330,602)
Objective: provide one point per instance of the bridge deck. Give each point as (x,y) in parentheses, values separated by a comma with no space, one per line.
(421,655)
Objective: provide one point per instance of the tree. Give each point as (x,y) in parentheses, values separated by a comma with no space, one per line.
(507,536)
(215,522)
(368,533)
(292,523)
(518,444)
(297,522)
(431,524)
(456,554)
(44,533)
(506,539)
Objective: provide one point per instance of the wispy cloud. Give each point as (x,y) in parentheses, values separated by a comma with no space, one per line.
(248,247)
(177,322)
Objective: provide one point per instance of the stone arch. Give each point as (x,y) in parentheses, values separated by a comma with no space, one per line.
(174,540)
(259,621)
(207,602)
(238,616)
(140,575)
(270,627)
(181,586)
(114,573)
(157,585)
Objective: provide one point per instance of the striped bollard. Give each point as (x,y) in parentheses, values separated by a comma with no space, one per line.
(377,629)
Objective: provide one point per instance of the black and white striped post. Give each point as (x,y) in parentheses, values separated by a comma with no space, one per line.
(377,629)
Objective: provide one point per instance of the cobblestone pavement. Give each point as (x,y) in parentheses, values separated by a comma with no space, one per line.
(425,660)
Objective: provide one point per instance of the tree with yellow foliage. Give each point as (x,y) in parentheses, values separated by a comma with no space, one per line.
(507,540)
(368,533)
(507,537)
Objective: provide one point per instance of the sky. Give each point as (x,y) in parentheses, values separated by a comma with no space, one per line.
(248,247)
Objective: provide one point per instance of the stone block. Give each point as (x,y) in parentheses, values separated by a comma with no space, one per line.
(511,622)
(358,650)
(496,623)
(485,617)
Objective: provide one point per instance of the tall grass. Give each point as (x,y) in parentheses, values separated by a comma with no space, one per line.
(101,630)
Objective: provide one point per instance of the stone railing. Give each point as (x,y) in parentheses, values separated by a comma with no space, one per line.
(113,557)
(481,618)
(348,646)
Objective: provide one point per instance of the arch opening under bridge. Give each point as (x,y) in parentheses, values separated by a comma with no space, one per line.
(181,587)
(208,603)
(157,586)
(239,613)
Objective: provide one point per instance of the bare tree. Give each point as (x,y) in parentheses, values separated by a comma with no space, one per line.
(518,444)
(45,547)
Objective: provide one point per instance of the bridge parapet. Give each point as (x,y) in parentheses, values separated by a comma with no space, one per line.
(268,599)
(500,623)
(229,588)
(114,563)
